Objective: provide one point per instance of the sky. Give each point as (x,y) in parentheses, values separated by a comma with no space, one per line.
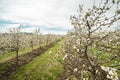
(52,16)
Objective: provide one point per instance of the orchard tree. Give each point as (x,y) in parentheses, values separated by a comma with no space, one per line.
(2,49)
(0,42)
(15,41)
(85,50)
(35,38)
(38,36)
(32,41)
(48,38)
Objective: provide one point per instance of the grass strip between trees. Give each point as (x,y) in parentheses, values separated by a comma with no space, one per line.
(9,67)
(10,55)
(44,67)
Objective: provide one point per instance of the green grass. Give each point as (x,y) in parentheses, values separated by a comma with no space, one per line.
(44,67)
(103,54)
(106,56)
(10,55)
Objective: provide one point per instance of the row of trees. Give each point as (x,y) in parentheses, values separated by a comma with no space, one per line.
(14,40)
(91,51)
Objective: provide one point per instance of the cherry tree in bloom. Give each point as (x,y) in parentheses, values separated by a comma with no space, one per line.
(91,45)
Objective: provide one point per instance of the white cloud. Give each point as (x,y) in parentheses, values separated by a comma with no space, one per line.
(52,13)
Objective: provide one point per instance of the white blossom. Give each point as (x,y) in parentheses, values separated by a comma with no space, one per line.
(111,73)
(97,71)
(74,47)
(78,50)
(65,56)
(50,52)
(85,78)
(83,65)
(56,55)
(78,41)
(75,70)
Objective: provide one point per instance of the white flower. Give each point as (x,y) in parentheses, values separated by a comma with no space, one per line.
(102,67)
(78,41)
(111,73)
(74,47)
(65,56)
(97,71)
(109,77)
(115,61)
(56,55)
(85,78)
(50,52)
(110,40)
(78,50)
(75,70)
(106,69)
(83,65)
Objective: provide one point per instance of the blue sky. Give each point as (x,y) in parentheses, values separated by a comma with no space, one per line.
(52,16)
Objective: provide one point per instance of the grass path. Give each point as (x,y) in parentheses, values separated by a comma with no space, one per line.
(44,67)
(10,55)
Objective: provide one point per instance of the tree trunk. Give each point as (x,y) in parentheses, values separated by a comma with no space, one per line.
(17,57)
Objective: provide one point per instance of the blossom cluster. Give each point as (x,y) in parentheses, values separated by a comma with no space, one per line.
(111,73)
